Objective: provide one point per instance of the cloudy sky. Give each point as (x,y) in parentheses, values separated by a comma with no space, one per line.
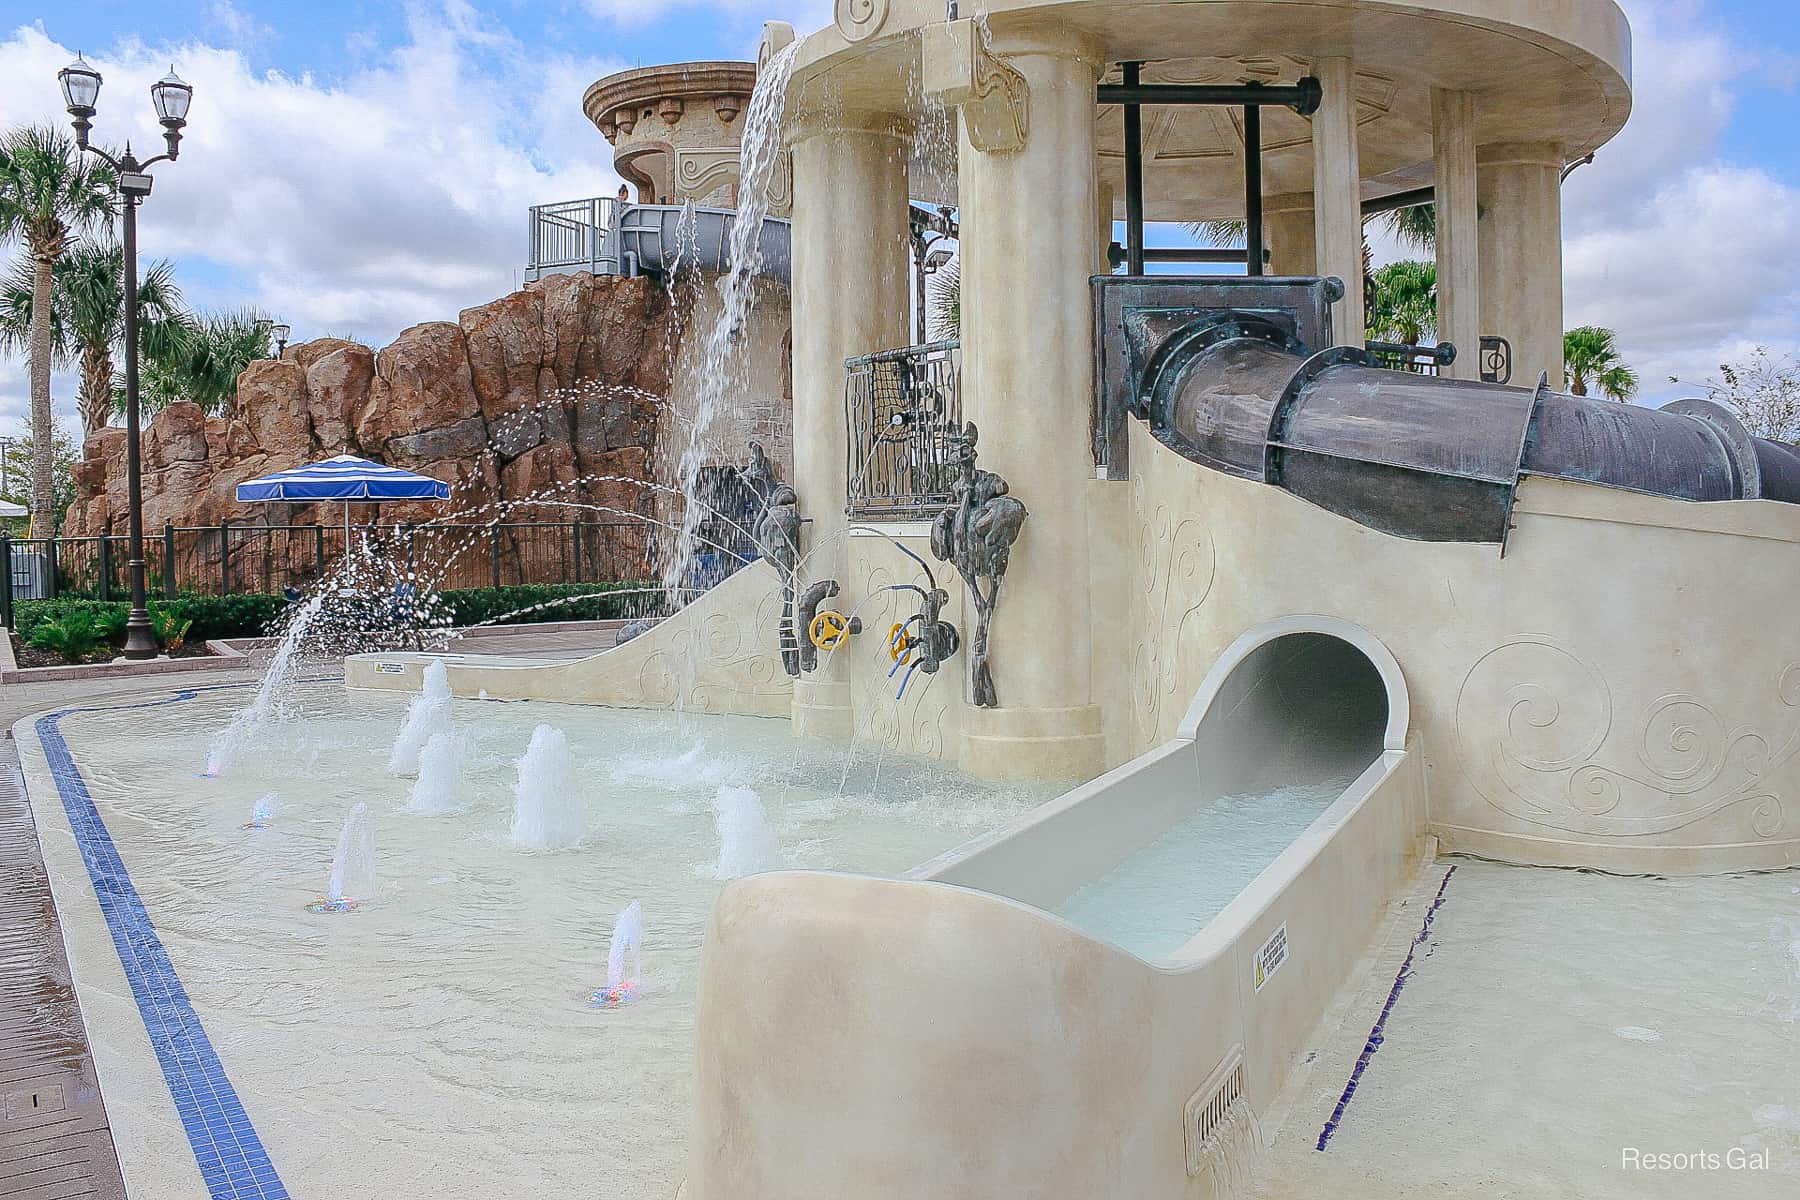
(355,167)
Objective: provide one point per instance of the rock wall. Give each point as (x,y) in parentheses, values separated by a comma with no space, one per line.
(554,391)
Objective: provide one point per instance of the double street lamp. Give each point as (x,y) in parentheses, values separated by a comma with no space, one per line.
(170,96)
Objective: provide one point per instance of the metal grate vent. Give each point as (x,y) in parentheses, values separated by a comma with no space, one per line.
(1211,1109)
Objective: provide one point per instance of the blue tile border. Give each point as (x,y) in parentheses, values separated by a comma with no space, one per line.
(1379,1033)
(231,1158)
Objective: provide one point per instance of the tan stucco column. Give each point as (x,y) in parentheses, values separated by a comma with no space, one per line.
(1337,194)
(1289,219)
(1519,190)
(1458,261)
(850,290)
(1027,377)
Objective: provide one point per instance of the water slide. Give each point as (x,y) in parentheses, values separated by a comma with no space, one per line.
(652,238)
(983,1027)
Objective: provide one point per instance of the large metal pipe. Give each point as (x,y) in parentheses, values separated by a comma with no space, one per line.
(1303,97)
(1230,382)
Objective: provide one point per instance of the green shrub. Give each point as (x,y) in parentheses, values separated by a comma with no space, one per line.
(170,623)
(256,614)
(536,603)
(75,635)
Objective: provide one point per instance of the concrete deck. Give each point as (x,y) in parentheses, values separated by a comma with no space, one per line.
(54,1137)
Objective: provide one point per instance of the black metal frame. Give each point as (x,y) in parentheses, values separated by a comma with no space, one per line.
(1303,97)
(902,413)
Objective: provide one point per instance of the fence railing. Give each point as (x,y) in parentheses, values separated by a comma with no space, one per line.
(902,409)
(225,559)
(573,235)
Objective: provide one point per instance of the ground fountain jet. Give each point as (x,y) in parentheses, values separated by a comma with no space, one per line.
(548,811)
(352,882)
(427,715)
(438,787)
(622,985)
(746,843)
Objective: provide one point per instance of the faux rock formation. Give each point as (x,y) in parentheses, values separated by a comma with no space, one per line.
(513,400)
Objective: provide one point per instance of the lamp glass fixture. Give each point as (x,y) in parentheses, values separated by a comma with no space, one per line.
(80,85)
(171,95)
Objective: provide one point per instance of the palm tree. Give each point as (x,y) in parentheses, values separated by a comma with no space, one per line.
(87,315)
(201,359)
(946,301)
(1405,307)
(49,192)
(1592,359)
(1414,228)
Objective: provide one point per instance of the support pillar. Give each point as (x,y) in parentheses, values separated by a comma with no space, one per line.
(1027,374)
(1458,260)
(1289,219)
(1519,190)
(850,290)
(1337,195)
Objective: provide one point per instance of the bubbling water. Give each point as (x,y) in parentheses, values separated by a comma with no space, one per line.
(746,843)
(263,814)
(229,745)
(548,812)
(439,785)
(427,715)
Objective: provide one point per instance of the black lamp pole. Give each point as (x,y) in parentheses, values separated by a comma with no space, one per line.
(81,87)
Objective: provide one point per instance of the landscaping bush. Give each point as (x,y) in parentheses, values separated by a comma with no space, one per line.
(621,600)
(255,614)
(75,635)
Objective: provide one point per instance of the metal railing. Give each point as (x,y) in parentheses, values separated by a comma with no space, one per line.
(1414,360)
(901,409)
(227,559)
(573,235)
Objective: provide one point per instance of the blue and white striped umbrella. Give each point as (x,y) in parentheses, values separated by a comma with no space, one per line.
(345,478)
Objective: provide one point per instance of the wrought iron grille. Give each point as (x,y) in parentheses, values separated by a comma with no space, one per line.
(901,408)
(1399,356)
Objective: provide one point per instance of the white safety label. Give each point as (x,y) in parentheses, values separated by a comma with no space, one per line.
(382,668)
(1269,956)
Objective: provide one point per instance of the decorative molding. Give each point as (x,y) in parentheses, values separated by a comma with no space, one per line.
(1537,734)
(960,70)
(860,20)
(699,173)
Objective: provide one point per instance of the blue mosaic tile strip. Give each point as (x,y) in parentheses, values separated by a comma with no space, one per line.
(230,1156)
(1379,1033)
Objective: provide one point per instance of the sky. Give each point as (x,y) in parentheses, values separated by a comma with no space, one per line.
(354,167)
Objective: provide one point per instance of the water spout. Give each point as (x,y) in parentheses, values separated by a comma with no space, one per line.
(426,714)
(438,787)
(746,843)
(263,814)
(352,881)
(231,741)
(627,942)
(548,812)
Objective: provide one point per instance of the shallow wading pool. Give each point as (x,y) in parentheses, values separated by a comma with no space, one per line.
(440,1040)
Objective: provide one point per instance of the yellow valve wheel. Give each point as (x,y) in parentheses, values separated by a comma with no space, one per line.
(828,629)
(899,644)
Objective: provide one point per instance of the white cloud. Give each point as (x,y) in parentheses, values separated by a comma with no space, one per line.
(1690,258)
(394,195)
(804,15)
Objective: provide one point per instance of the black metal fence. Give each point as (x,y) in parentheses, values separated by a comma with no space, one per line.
(901,408)
(225,559)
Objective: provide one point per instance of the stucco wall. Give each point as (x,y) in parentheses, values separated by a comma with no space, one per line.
(717,655)
(1621,690)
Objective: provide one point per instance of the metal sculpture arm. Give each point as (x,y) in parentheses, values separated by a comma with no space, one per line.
(975,534)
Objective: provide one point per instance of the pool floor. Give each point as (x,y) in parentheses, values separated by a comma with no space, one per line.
(1558,1030)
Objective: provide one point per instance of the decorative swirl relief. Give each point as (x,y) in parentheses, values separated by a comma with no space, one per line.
(1179,562)
(859,20)
(722,657)
(922,722)
(1534,723)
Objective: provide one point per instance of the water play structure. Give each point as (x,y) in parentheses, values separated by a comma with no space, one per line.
(1274,622)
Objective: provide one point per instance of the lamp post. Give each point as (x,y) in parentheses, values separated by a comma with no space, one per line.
(170,96)
(280,331)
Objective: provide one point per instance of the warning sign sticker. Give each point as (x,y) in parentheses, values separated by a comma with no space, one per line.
(1270,956)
